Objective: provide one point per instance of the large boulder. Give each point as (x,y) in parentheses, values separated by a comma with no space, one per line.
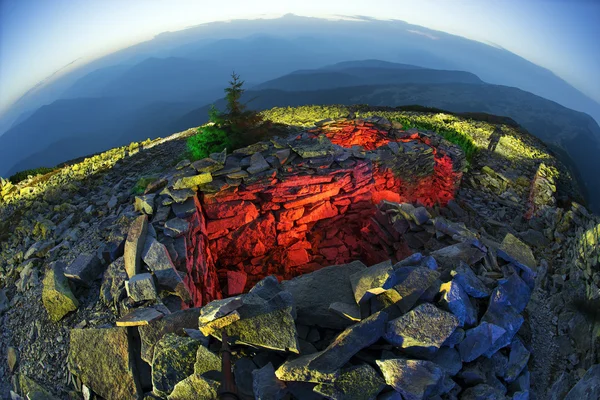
(313,294)
(56,293)
(102,360)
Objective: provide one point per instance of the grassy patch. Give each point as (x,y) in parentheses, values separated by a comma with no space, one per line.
(142,184)
(209,139)
(21,176)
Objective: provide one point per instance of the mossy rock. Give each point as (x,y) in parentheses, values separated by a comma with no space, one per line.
(173,361)
(32,390)
(56,293)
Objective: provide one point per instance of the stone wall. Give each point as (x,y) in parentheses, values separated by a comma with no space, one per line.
(291,206)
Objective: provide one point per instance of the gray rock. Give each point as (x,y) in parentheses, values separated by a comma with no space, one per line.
(242,371)
(515,251)
(56,293)
(207,165)
(145,204)
(84,269)
(449,256)
(208,364)
(176,322)
(113,282)
(4,304)
(220,308)
(101,359)
(449,359)
(411,284)
(157,257)
(38,249)
(414,379)
(265,384)
(479,340)
(422,331)
(517,360)
(176,227)
(140,316)
(464,275)
(313,293)
(173,361)
(482,392)
(267,288)
(141,287)
(191,182)
(502,314)
(349,311)
(273,330)
(134,245)
(257,164)
(457,336)
(325,365)
(358,382)
(513,291)
(455,298)
(195,387)
(185,209)
(372,281)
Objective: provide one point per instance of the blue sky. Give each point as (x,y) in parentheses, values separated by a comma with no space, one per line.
(39,37)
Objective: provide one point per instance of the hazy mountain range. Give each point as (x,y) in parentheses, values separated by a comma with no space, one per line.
(165,85)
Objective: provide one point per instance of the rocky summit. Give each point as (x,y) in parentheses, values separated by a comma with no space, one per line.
(350,258)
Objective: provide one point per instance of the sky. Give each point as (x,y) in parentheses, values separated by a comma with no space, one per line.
(40,37)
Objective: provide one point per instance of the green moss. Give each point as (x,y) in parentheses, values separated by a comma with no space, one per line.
(209,139)
(57,296)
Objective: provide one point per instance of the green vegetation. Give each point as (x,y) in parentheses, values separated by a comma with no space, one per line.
(459,138)
(142,184)
(21,176)
(238,127)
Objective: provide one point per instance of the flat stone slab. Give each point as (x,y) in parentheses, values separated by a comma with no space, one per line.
(190,182)
(413,379)
(139,317)
(514,250)
(176,227)
(422,331)
(313,294)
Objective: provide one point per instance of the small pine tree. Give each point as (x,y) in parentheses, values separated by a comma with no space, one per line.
(238,127)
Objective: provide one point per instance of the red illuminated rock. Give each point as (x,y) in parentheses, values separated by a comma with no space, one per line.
(322,211)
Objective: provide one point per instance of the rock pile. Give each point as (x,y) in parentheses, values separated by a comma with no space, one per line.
(437,326)
(290,206)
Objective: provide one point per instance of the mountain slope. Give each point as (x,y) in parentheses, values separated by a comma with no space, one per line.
(367,72)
